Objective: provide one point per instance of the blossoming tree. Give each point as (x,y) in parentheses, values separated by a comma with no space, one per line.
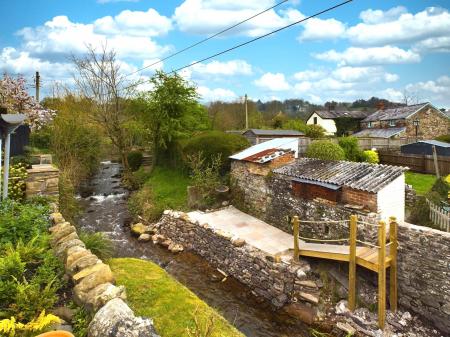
(15,98)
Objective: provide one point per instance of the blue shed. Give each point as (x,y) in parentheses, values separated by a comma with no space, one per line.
(425,147)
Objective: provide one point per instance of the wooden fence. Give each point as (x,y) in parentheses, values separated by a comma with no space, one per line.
(416,162)
(439,216)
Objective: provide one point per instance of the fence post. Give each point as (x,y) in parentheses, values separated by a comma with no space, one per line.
(352,264)
(381,274)
(393,230)
(296,224)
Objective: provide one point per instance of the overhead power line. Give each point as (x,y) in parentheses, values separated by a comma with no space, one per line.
(261,36)
(207,39)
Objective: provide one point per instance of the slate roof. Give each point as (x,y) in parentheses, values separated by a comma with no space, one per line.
(395,113)
(261,132)
(333,114)
(435,142)
(379,133)
(360,176)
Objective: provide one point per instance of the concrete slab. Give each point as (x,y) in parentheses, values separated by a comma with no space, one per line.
(257,233)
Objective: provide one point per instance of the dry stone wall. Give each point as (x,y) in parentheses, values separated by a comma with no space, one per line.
(94,286)
(42,180)
(279,282)
(423,257)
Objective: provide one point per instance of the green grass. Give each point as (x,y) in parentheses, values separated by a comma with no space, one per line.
(422,183)
(169,187)
(151,292)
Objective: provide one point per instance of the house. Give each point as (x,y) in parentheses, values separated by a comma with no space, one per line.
(330,119)
(425,147)
(378,188)
(419,121)
(256,136)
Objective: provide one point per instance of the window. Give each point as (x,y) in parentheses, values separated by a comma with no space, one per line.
(369,125)
(392,122)
(315,120)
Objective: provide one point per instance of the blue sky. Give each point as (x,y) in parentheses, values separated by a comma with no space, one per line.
(365,48)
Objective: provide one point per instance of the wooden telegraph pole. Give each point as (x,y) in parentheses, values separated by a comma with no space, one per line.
(37,84)
(246,112)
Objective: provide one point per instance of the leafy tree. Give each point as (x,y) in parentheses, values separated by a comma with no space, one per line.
(295,124)
(325,150)
(351,148)
(15,98)
(170,111)
(371,157)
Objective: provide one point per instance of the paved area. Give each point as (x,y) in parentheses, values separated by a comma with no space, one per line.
(257,233)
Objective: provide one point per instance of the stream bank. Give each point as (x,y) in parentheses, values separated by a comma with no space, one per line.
(105,210)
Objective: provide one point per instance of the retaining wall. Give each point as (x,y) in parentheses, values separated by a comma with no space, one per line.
(279,282)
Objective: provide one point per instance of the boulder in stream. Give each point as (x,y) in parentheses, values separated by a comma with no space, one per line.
(138,229)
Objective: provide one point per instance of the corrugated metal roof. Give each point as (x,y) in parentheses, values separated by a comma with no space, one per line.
(261,132)
(434,142)
(395,113)
(287,144)
(379,133)
(360,176)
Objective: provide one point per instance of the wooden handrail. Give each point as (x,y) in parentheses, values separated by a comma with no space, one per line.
(352,264)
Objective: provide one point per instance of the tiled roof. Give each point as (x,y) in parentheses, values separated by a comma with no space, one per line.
(261,132)
(435,142)
(360,176)
(379,133)
(332,114)
(395,113)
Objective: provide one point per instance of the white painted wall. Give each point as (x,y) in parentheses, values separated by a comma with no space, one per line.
(391,200)
(328,124)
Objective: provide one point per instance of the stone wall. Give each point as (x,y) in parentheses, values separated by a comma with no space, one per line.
(424,273)
(94,287)
(424,253)
(279,282)
(410,195)
(432,123)
(42,180)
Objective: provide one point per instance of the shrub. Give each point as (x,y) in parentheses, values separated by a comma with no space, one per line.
(215,143)
(444,138)
(135,160)
(41,138)
(326,150)
(441,187)
(68,204)
(371,156)
(16,187)
(21,221)
(420,213)
(351,148)
(315,131)
(98,243)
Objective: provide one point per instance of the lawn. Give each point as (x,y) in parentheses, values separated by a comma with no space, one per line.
(169,187)
(422,183)
(153,293)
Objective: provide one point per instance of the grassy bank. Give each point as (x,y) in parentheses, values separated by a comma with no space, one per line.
(422,183)
(153,293)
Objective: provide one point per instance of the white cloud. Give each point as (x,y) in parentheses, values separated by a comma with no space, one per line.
(318,29)
(434,44)
(309,75)
(134,23)
(370,56)
(59,37)
(363,74)
(210,16)
(407,27)
(371,16)
(272,82)
(228,68)
(218,94)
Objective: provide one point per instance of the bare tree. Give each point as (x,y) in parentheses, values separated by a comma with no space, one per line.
(410,97)
(98,78)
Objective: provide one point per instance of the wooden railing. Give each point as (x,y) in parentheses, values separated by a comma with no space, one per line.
(439,216)
(376,257)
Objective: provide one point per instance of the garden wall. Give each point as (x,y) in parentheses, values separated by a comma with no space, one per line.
(279,282)
(42,180)
(94,286)
(423,256)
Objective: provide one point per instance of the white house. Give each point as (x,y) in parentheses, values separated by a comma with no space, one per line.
(327,118)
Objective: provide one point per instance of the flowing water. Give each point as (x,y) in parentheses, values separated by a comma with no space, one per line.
(105,210)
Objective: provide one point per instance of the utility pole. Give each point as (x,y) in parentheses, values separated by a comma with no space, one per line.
(246,113)
(37,83)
